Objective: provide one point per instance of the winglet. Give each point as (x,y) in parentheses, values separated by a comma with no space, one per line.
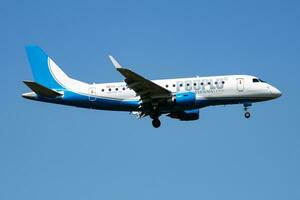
(115,63)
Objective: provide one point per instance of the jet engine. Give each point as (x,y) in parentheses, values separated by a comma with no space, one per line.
(186,115)
(186,99)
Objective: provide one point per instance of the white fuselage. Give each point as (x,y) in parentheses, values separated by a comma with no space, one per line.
(235,87)
(212,90)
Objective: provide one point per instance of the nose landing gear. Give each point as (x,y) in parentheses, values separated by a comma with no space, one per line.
(247,115)
(246,108)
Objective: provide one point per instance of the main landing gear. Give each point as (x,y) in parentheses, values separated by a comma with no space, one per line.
(156,123)
(246,108)
(155,117)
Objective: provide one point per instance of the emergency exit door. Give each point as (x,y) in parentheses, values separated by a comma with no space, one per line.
(92,92)
(240,84)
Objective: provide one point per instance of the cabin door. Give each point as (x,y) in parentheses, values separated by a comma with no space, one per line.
(92,94)
(240,84)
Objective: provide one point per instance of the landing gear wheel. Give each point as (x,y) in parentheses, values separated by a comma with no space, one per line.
(156,123)
(247,115)
(246,108)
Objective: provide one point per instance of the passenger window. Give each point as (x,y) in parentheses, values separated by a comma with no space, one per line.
(167,86)
(116,89)
(195,84)
(180,85)
(109,89)
(123,88)
(174,85)
(223,82)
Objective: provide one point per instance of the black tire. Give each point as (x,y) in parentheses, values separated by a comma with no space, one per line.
(156,123)
(247,115)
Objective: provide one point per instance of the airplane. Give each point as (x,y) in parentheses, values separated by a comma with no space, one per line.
(179,98)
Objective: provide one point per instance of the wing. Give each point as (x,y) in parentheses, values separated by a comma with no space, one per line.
(145,88)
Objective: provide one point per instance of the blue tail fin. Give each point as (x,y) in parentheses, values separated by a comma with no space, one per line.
(39,62)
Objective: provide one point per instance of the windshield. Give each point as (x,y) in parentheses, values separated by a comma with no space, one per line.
(256,80)
(262,81)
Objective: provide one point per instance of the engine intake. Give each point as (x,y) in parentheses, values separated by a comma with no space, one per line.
(186,99)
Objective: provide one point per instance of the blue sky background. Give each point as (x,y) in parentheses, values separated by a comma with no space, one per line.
(55,152)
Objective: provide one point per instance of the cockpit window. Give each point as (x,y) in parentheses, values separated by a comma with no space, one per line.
(262,81)
(255,80)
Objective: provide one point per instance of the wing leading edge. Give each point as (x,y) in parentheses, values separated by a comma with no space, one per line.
(145,88)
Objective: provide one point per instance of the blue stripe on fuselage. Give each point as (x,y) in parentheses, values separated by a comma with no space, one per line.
(201,103)
(79,100)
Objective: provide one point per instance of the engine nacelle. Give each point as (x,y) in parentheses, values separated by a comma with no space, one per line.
(186,115)
(186,99)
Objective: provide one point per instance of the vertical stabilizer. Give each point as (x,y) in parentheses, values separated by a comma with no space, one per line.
(42,73)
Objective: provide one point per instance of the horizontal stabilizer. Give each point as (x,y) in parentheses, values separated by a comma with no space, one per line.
(42,90)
